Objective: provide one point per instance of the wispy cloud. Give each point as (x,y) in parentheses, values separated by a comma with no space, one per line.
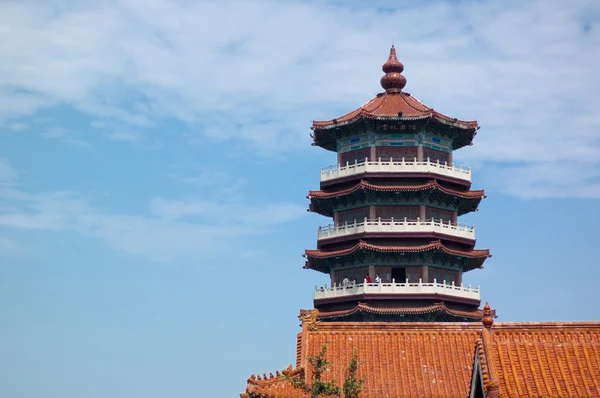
(258,72)
(8,174)
(169,229)
(546,179)
(125,136)
(66,136)
(8,246)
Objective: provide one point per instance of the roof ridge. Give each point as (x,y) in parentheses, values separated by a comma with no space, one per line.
(407,188)
(437,244)
(488,369)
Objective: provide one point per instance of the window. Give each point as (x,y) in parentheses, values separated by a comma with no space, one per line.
(397,212)
(438,276)
(442,275)
(354,156)
(413,274)
(409,153)
(349,216)
(434,155)
(438,214)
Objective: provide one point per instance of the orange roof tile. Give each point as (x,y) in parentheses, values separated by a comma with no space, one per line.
(396,188)
(275,386)
(403,308)
(543,359)
(435,359)
(388,105)
(394,104)
(401,359)
(436,245)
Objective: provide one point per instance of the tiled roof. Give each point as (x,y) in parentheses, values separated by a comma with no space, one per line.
(396,188)
(388,106)
(275,386)
(435,359)
(543,359)
(401,359)
(400,308)
(436,245)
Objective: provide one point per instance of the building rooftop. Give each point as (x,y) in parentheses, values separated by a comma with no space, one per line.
(394,104)
(443,359)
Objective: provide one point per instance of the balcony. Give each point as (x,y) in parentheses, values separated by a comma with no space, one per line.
(396,166)
(399,289)
(395,226)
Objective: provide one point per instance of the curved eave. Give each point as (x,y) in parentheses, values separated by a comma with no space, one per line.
(430,235)
(471,198)
(478,256)
(326,138)
(437,245)
(400,309)
(468,125)
(373,298)
(372,175)
(388,106)
(476,194)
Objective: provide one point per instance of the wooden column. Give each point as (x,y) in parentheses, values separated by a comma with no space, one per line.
(425,274)
(422,212)
(373,154)
(372,212)
(419,153)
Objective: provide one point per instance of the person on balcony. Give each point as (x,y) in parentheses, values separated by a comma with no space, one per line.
(377,278)
(346,281)
(368,278)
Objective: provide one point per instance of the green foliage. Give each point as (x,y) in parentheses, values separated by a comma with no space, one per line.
(353,385)
(320,388)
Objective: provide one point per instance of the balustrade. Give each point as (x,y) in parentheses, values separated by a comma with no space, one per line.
(396,166)
(393,226)
(448,289)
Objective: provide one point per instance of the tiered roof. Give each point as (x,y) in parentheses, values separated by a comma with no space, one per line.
(402,308)
(439,359)
(394,105)
(477,257)
(468,200)
(433,184)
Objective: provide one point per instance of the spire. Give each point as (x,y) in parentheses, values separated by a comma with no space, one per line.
(488,316)
(393,81)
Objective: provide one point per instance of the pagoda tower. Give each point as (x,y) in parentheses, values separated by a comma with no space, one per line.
(395,250)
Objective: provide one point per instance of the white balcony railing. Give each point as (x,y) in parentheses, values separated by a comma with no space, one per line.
(399,289)
(392,226)
(395,166)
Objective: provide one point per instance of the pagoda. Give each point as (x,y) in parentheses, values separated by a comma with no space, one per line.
(395,250)
(395,254)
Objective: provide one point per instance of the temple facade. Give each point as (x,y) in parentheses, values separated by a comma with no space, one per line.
(396,254)
(395,250)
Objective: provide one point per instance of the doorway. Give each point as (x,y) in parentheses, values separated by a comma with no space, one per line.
(399,275)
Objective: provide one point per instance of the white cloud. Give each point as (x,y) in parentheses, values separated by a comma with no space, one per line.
(8,246)
(260,71)
(546,179)
(7,173)
(180,228)
(125,136)
(170,229)
(17,126)
(66,136)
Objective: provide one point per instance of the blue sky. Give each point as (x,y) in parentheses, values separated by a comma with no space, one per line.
(155,158)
